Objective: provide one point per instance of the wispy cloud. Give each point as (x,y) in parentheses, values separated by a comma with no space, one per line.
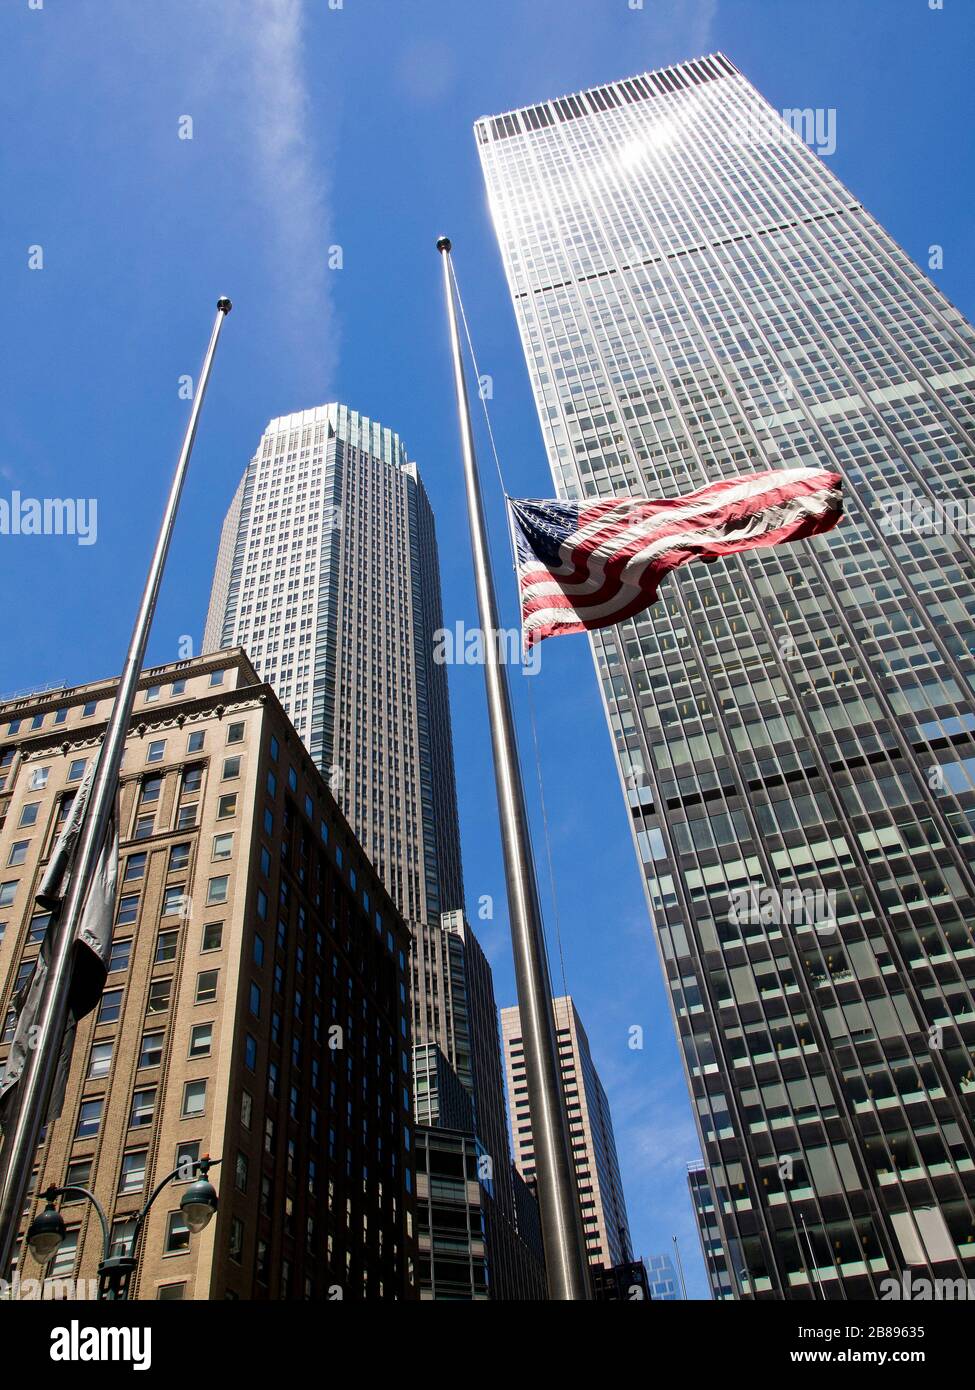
(289,169)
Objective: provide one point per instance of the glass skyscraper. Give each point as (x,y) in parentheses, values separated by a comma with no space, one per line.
(699,297)
(327,573)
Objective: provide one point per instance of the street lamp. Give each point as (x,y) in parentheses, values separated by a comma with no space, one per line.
(47,1231)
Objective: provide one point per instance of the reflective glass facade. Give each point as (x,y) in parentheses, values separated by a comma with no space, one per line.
(699,297)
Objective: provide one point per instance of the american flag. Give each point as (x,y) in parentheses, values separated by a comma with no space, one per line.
(585,565)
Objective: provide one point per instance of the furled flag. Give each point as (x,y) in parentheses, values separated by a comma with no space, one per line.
(590,564)
(93,941)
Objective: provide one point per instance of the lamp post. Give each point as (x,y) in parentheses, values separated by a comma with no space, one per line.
(47,1231)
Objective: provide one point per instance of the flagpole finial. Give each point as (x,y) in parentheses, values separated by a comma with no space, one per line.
(443,243)
(224,304)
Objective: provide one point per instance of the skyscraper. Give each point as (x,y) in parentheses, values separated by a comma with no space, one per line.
(327,572)
(699,297)
(597,1169)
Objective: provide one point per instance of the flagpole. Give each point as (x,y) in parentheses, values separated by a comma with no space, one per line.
(565,1256)
(36,1082)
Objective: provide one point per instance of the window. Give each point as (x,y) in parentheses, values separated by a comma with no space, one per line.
(152,693)
(133,1175)
(151,787)
(18,853)
(38,779)
(187,1160)
(201,1039)
(231,768)
(216,677)
(217,890)
(7,891)
(150,1054)
(143,1107)
(227,806)
(159,993)
(258,949)
(223,846)
(186,818)
(240,1172)
(62,1265)
(250,1053)
(120,955)
(121,1236)
(246,1108)
(110,1007)
(174,900)
(28,814)
(89,1118)
(167,943)
(178,687)
(135,866)
(169,1293)
(206,986)
(144,826)
(195,741)
(255,1000)
(100,1061)
(194,1099)
(177,1233)
(235,733)
(212,936)
(78,1175)
(76,770)
(192,779)
(274,749)
(90,707)
(236,1246)
(37,722)
(156,750)
(14,726)
(272,784)
(128,909)
(60,716)
(179,857)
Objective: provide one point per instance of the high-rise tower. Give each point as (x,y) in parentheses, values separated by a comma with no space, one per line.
(699,297)
(327,573)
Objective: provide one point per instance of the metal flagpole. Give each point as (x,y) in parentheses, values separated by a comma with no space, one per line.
(680,1269)
(565,1254)
(37,1079)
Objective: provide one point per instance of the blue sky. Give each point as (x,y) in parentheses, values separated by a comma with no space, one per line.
(316,127)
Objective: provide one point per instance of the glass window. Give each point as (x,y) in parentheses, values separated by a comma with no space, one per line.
(133,1175)
(231,768)
(174,899)
(78,1175)
(246,1108)
(159,994)
(143,1107)
(178,686)
(7,891)
(152,693)
(38,778)
(240,1172)
(177,1233)
(144,826)
(151,787)
(76,770)
(186,817)
(128,909)
(206,986)
(195,741)
(135,866)
(217,890)
(151,1051)
(227,806)
(212,936)
(187,1160)
(89,1118)
(192,779)
(250,1053)
(63,1262)
(255,1000)
(156,750)
(170,1293)
(201,1040)
(235,732)
(120,954)
(236,1245)
(100,1061)
(167,943)
(18,853)
(194,1099)
(179,857)
(216,677)
(90,707)
(110,1006)
(223,846)
(28,814)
